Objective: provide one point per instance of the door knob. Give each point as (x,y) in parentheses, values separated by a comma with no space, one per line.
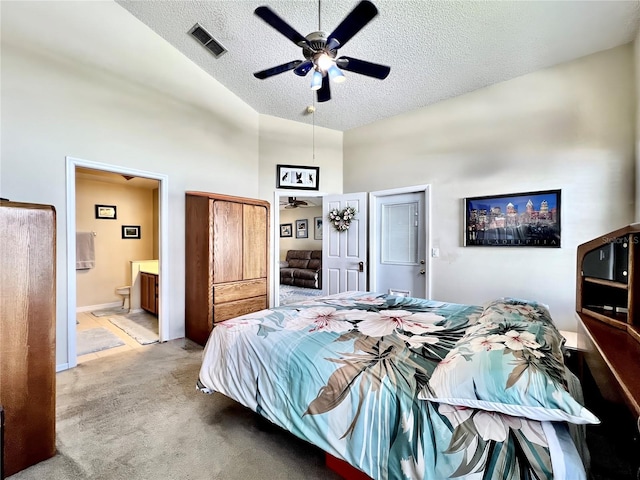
(361,266)
(422,271)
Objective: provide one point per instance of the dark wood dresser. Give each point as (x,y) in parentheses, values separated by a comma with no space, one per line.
(608,309)
(27,332)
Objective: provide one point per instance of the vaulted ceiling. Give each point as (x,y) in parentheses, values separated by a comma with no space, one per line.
(436,49)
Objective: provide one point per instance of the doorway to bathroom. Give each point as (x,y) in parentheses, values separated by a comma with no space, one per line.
(116,241)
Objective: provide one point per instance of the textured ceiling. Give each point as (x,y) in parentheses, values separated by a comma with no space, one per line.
(436,50)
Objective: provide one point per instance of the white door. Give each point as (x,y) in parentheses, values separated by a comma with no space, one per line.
(399,243)
(344,253)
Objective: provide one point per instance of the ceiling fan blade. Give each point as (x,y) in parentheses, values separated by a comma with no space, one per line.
(324,92)
(270,72)
(304,68)
(272,18)
(362,14)
(363,67)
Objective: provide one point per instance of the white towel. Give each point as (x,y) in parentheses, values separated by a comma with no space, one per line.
(85,253)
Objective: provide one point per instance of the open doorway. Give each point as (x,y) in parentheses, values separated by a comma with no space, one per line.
(297,246)
(106,204)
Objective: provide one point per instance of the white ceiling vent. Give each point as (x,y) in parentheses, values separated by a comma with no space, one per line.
(205,38)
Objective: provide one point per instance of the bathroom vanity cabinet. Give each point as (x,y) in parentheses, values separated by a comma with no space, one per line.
(227,260)
(149,292)
(27,332)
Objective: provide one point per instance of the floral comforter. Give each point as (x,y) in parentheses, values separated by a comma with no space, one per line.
(344,372)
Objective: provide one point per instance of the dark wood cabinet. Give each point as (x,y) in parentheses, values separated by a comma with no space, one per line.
(27,333)
(149,292)
(608,307)
(227,260)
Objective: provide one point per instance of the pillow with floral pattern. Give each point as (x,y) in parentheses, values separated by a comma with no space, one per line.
(510,366)
(518,309)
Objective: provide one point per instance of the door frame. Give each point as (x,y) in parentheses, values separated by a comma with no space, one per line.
(373,228)
(275,264)
(163,247)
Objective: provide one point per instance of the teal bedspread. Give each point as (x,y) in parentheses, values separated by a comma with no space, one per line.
(344,371)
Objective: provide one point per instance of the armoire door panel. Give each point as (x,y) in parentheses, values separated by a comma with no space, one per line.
(255,241)
(227,241)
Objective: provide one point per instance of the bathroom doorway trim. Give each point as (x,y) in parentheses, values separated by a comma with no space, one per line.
(163,246)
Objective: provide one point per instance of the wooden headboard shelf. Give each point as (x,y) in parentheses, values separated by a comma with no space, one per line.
(608,308)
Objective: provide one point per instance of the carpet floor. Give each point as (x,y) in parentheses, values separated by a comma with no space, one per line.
(137,416)
(95,340)
(292,294)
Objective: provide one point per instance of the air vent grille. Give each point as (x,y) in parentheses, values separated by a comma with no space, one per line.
(205,38)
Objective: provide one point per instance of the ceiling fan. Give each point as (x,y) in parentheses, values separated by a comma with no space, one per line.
(320,50)
(295,203)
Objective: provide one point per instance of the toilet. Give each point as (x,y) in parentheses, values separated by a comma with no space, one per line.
(124,293)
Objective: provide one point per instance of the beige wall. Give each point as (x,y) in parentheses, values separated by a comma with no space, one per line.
(284,142)
(565,127)
(293,243)
(74,84)
(134,206)
(156,224)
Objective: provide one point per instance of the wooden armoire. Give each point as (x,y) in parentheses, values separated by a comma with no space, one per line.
(27,332)
(227,260)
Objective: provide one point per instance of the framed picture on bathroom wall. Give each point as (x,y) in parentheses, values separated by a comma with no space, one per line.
(106,212)
(131,231)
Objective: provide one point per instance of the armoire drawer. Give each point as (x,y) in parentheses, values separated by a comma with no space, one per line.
(225,311)
(232,291)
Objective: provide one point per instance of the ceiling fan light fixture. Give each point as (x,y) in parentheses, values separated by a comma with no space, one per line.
(316,80)
(336,74)
(324,62)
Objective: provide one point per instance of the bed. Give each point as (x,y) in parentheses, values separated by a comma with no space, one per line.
(402,387)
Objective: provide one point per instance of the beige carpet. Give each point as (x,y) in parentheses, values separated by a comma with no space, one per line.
(137,415)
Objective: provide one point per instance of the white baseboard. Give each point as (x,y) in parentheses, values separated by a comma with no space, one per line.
(61,367)
(136,310)
(102,306)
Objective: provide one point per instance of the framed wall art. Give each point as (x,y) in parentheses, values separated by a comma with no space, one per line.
(317,228)
(286,230)
(106,212)
(302,228)
(297,177)
(131,231)
(529,219)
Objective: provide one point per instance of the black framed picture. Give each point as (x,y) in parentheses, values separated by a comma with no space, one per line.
(131,231)
(302,228)
(106,212)
(528,219)
(286,230)
(297,177)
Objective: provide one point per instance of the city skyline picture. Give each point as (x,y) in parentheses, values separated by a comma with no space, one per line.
(529,219)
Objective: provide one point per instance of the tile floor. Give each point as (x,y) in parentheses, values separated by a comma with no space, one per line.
(86,320)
